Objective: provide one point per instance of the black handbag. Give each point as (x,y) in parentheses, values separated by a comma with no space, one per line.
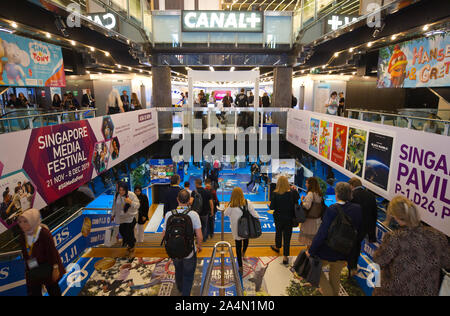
(249,227)
(41,273)
(309,268)
(299,214)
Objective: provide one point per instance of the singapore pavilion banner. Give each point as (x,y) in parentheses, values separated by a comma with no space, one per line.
(27,62)
(424,62)
(42,165)
(388,160)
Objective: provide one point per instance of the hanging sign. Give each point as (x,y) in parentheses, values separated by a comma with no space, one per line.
(419,63)
(222,21)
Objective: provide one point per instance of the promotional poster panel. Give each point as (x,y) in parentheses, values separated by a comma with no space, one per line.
(325,139)
(45,164)
(378,161)
(339,144)
(161,170)
(356,147)
(30,63)
(314,135)
(415,163)
(419,63)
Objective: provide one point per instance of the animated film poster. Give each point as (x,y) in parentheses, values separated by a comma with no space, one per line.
(378,161)
(339,144)
(355,150)
(418,63)
(325,139)
(314,135)
(29,63)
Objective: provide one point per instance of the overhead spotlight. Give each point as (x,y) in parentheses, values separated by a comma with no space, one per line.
(61,26)
(107,54)
(129,68)
(232,68)
(354,73)
(426,27)
(73,43)
(48,35)
(112,71)
(88,72)
(393,37)
(211,68)
(324,66)
(379,29)
(351,50)
(119,66)
(336,54)
(140,70)
(14,25)
(370,44)
(92,49)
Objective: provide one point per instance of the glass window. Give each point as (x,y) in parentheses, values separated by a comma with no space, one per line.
(308,11)
(135,10)
(166,29)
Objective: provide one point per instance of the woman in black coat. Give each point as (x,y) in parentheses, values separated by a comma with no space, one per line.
(143,213)
(282,202)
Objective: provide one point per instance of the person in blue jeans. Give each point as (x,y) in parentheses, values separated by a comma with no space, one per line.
(185,268)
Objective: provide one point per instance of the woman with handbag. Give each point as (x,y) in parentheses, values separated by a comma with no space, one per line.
(125,211)
(312,204)
(283,202)
(43,265)
(234,212)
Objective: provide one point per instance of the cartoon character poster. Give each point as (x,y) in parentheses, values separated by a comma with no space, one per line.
(325,139)
(339,144)
(29,63)
(418,63)
(378,162)
(314,135)
(355,150)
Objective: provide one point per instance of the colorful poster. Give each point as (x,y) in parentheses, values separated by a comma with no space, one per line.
(30,63)
(378,161)
(325,139)
(314,135)
(44,164)
(424,62)
(161,170)
(355,151)
(339,144)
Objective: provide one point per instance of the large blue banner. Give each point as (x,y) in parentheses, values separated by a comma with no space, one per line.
(424,62)
(29,63)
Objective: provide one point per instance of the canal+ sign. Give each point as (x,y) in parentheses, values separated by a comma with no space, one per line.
(222,21)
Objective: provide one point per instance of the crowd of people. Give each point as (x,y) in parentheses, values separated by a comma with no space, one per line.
(410,257)
(121,103)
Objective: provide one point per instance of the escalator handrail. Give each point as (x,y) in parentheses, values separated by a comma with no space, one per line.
(46,114)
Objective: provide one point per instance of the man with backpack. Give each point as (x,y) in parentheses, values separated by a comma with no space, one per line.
(179,229)
(337,237)
(207,207)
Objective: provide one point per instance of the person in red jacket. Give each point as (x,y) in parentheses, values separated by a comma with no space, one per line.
(43,264)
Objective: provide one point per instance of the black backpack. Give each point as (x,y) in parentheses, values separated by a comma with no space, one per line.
(197,205)
(342,234)
(179,237)
(249,227)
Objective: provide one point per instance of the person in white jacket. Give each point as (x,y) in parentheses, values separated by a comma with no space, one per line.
(234,212)
(124,212)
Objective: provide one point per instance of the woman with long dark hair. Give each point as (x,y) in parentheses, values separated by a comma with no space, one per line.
(124,212)
(312,203)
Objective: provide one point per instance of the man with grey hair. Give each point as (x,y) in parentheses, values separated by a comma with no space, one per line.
(319,247)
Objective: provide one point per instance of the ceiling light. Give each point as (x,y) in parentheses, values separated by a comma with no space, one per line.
(92,49)
(354,73)
(88,72)
(324,66)
(119,66)
(232,68)
(426,27)
(73,43)
(140,70)
(14,25)
(369,44)
(351,50)
(211,68)
(336,54)
(129,68)
(106,54)
(112,71)
(48,35)
(393,37)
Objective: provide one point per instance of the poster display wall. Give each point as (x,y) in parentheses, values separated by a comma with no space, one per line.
(418,63)
(388,160)
(339,144)
(26,62)
(44,164)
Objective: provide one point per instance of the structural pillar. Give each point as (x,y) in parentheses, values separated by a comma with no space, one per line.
(162,95)
(282,94)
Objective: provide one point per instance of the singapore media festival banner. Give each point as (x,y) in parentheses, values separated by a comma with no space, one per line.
(424,62)
(388,160)
(30,63)
(44,164)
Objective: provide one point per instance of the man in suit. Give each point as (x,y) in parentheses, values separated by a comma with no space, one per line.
(88,101)
(125,100)
(369,209)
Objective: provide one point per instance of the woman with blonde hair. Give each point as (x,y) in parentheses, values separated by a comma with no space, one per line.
(234,212)
(411,258)
(283,200)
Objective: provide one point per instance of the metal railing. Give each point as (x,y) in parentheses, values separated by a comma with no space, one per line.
(237,280)
(436,126)
(18,123)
